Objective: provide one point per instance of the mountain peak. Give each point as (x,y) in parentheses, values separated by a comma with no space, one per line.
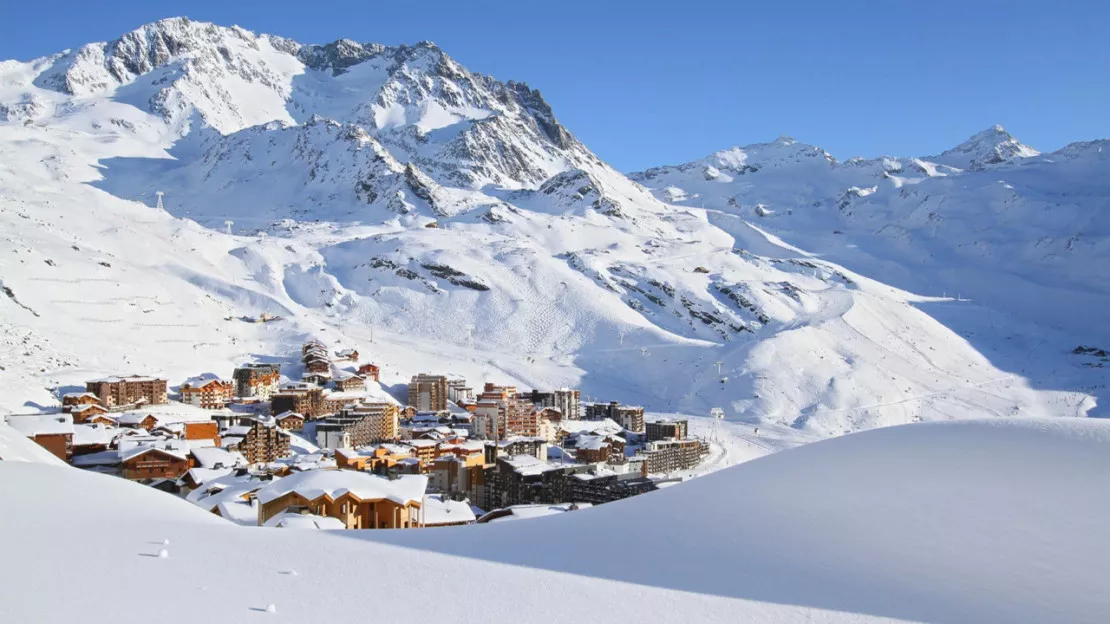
(991,146)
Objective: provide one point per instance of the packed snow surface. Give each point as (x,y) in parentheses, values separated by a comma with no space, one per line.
(975,521)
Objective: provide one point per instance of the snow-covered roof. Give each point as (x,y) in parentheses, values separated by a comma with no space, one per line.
(32,425)
(528,465)
(313,484)
(591,442)
(438,511)
(241,512)
(605,425)
(395,449)
(117,379)
(77,409)
(200,476)
(288,414)
(197,383)
(468,445)
(169,413)
(524,512)
(289,520)
(210,457)
(79,395)
(230,487)
(418,443)
(177,448)
(100,458)
(85,435)
(352,395)
(519,440)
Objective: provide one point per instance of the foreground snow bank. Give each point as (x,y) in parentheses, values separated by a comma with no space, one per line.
(952,522)
(14,446)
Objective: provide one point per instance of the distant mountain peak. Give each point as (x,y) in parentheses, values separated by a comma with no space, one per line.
(991,146)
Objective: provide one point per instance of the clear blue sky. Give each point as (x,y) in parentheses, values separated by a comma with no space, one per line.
(646,83)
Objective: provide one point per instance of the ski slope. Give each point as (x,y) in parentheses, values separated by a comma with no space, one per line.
(973,521)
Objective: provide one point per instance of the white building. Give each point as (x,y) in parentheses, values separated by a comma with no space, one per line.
(567,402)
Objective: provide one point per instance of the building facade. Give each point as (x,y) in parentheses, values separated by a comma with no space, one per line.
(257,381)
(669,455)
(116,391)
(264,442)
(428,393)
(360,425)
(667,430)
(208,394)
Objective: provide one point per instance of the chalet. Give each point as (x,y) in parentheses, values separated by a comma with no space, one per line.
(89,413)
(131,390)
(317,365)
(232,496)
(369,371)
(211,463)
(347,354)
(79,399)
(92,438)
(207,393)
(350,383)
(53,432)
(137,420)
(313,345)
(360,500)
(167,460)
(290,421)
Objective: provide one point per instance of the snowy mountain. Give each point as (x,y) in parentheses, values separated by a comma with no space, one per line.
(388,199)
(983,521)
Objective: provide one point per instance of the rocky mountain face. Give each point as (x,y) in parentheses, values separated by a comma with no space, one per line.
(468,128)
(390,199)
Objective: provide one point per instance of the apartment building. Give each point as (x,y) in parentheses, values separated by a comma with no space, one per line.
(665,429)
(428,393)
(256,381)
(359,425)
(207,393)
(116,391)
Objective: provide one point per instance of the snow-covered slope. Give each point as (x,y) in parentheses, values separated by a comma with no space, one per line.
(390,200)
(996,521)
(1014,247)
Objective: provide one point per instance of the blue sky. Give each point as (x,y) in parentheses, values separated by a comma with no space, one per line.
(647,83)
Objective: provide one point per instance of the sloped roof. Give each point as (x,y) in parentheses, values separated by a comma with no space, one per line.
(313,484)
(209,457)
(32,425)
(437,511)
(287,520)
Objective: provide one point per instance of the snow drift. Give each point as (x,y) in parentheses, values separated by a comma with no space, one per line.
(944,522)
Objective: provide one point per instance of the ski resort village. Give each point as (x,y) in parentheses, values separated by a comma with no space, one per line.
(344,331)
(332,449)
